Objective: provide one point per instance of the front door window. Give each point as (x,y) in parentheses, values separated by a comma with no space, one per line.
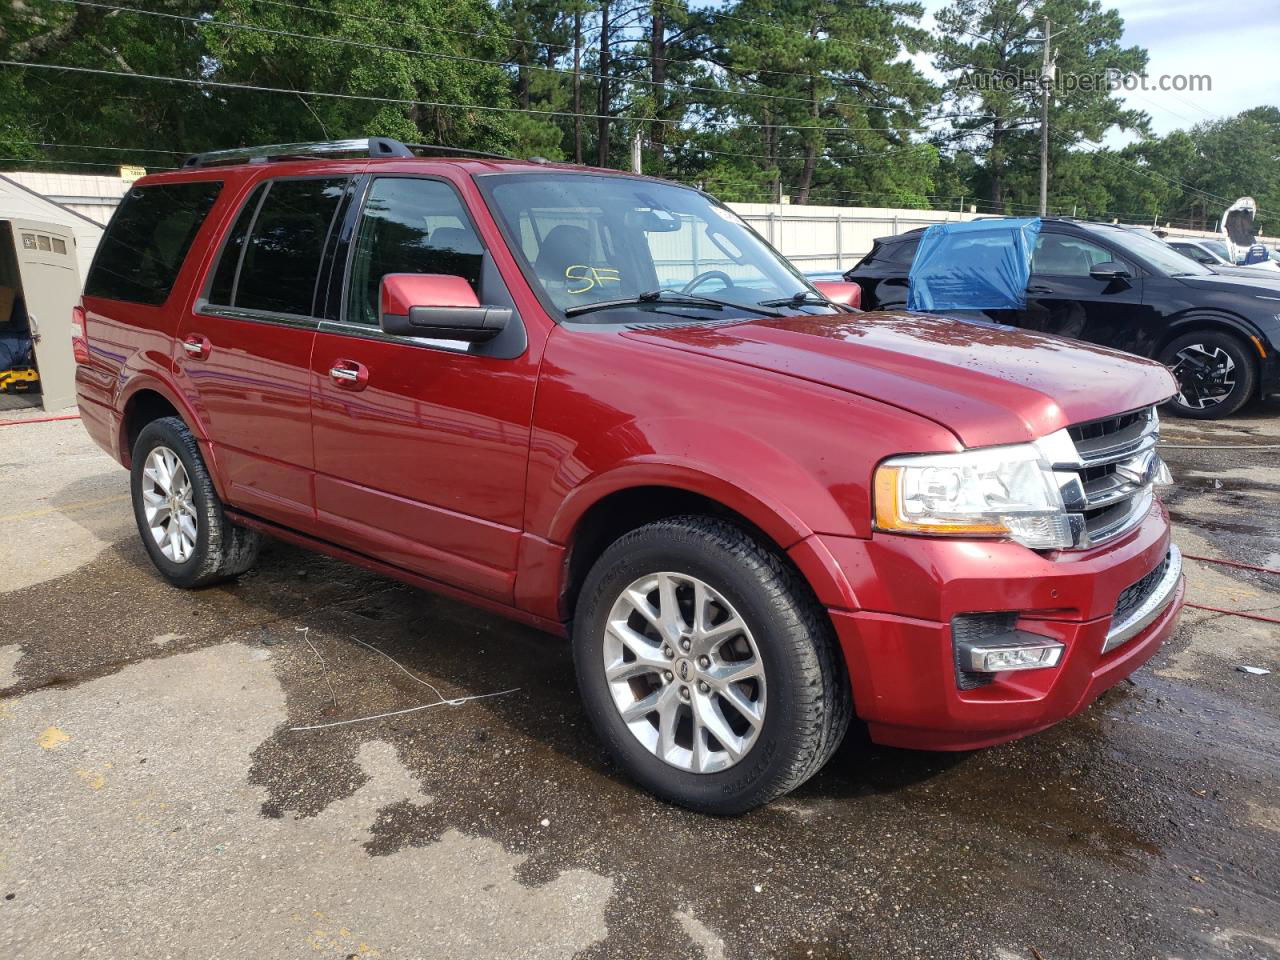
(410,226)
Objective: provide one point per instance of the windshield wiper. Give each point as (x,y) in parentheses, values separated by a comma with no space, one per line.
(796,300)
(667,296)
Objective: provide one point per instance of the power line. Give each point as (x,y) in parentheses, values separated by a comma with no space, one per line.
(88,146)
(82,163)
(431,55)
(438,104)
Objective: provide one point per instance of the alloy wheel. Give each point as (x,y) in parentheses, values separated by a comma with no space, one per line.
(684,672)
(167,504)
(1206,376)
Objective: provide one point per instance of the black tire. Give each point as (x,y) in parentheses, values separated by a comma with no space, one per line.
(1214,345)
(809,702)
(221,548)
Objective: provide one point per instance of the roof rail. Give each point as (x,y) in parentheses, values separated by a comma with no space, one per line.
(366,147)
(459,151)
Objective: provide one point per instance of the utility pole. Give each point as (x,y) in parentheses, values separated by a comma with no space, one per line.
(577,83)
(1046,93)
(637,152)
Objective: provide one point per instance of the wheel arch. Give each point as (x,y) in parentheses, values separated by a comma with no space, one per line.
(601,513)
(148,398)
(1209,320)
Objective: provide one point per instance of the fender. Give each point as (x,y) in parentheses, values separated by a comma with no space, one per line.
(807,551)
(155,381)
(746,472)
(775,519)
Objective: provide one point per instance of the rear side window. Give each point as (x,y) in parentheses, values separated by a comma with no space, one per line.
(145,243)
(271,259)
(903,253)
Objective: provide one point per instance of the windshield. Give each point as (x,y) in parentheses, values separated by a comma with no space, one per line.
(1157,254)
(636,245)
(1217,247)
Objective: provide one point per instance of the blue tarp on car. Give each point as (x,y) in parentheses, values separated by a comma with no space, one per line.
(979,265)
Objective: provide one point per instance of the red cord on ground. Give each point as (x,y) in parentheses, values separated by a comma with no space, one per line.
(18,423)
(1234,613)
(1233,563)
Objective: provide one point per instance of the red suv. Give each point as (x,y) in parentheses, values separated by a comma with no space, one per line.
(602,405)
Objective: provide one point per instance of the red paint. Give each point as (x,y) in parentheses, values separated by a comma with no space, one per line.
(79,346)
(841,292)
(474,474)
(18,423)
(401,292)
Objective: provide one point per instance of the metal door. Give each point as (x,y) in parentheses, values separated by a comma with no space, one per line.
(46,254)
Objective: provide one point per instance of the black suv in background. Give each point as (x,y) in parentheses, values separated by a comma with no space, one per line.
(1126,289)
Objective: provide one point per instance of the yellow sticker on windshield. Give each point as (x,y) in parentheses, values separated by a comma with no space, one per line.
(590,277)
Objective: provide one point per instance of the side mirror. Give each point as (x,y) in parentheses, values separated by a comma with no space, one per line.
(841,292)
(439,306)
(1110,270)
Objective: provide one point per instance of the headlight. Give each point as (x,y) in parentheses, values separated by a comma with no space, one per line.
(997,492)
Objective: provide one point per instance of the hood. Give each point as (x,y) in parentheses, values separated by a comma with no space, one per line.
(986,383)
(1242,280)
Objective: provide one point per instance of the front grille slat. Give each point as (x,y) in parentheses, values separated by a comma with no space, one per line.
(1111,453)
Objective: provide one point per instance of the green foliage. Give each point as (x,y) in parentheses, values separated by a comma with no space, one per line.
(814,100)
(993,50)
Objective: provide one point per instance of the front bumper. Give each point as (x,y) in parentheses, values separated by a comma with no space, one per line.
(898,645)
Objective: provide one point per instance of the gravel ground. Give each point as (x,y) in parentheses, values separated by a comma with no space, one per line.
(157,800)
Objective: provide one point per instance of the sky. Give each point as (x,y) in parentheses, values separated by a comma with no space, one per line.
(1236,43)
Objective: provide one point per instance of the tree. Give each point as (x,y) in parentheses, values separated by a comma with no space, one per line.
(820,82)
(431,51)
(992,50)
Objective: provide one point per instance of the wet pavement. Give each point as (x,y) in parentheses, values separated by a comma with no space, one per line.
(156,799)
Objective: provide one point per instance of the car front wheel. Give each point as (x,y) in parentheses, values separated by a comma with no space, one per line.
(707,666)
(1216,374)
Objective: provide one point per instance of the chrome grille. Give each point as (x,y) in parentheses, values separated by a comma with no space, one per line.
(1106,472)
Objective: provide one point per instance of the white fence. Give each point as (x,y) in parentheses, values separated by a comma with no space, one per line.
(816,239)
(833,238)
(830,239)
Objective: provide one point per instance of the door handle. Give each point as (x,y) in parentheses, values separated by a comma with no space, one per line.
(1040,289)
(197,347)
(349,374)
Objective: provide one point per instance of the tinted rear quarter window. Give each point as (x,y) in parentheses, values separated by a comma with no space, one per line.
(902,253)
(147,240)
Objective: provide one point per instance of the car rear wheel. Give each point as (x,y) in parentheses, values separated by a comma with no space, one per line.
(707,666)
(1215,371)
(179,515)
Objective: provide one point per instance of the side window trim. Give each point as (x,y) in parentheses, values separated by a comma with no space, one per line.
(248,235)
(205,307)
(334,265)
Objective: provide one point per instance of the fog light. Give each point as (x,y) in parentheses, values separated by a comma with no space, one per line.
(1022,651)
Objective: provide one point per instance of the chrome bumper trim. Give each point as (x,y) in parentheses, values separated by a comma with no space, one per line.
(1150,608)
